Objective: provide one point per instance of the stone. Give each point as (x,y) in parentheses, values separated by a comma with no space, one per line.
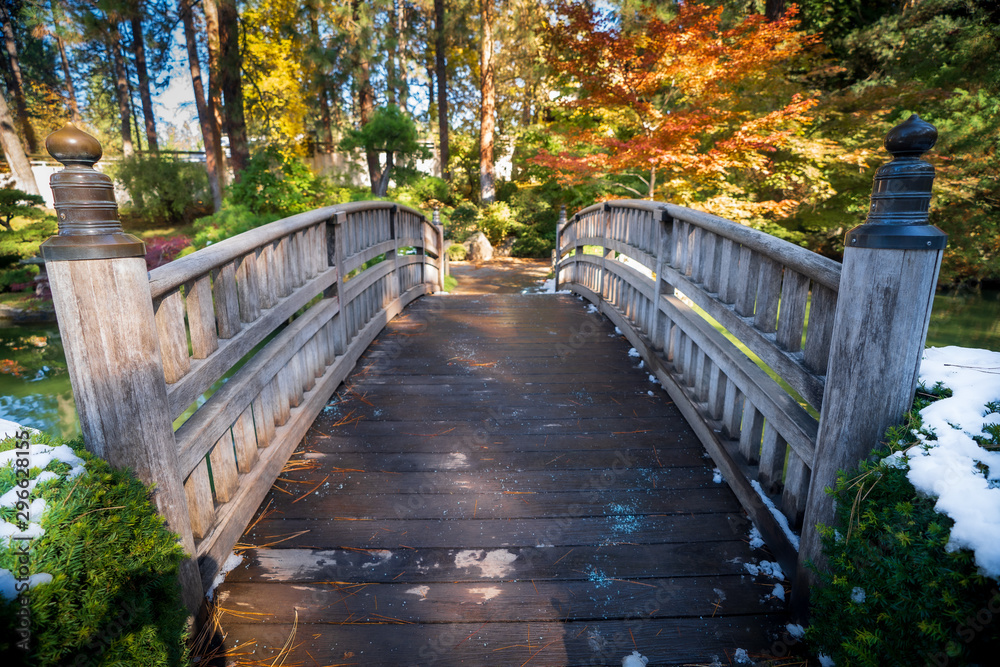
(479,248)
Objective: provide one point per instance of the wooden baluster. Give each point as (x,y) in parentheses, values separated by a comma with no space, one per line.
(701,376)
(247,290)
(227,308)
(660,248)
(795,493)
(265,279)
(309,365)
(772,459)
(792,318)
(225,476)
(709,275)
(747,294)
(173,338)
(245,440)
(732,413)
(729,259)
(263,416)
(768,292)
(819,334)
(751,433)
(716,393)
(279,395)
(695,255)
(198,493)
(279,275)
(201,318)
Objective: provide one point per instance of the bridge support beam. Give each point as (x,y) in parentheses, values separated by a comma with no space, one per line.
(890,272)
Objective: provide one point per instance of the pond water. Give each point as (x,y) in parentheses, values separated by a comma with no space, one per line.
(35,388)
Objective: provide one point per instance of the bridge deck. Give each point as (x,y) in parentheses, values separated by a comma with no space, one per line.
(496,485)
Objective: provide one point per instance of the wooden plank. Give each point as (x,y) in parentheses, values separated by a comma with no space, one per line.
(245,441)
(263,416)
(201,507)
(795,491)
(248,291)
(225,475)
(772,459)
(227,309)
(265,277)
(727,282)
(169,314)
(792,318)
(768,295)
(751,433)
(201,318)
(747,280)
(819,336)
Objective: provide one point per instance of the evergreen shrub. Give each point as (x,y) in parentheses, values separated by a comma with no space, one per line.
(893,593)
(274,182)
(114,598)
(162,189)
(457,252)
(229,221)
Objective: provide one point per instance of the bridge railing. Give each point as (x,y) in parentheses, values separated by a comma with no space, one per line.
(240,344)
(838,346)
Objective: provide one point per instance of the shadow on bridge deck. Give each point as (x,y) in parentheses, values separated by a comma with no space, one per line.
(497,483)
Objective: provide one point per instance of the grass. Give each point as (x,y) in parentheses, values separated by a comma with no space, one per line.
(450,283)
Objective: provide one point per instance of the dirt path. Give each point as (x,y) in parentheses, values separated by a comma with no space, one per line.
(504,275)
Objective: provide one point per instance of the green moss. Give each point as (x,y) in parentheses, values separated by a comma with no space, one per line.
(114,598)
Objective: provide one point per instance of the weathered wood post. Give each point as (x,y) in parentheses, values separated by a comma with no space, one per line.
(443,267)
(100,289)
(560,226)
(890,270)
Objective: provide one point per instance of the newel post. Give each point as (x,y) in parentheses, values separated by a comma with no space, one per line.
(443,267)
(560,227)
(887,284)
(100,289)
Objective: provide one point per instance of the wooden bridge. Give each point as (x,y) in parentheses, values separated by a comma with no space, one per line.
(504,472)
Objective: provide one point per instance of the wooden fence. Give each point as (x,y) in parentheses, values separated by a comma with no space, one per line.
(837,348)
(272,320)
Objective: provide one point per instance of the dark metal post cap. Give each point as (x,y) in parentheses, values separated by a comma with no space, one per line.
(89,227)
(901,194)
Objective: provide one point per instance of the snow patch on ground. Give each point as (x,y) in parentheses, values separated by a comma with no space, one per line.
(826,661)
(422,591)
(635,660)
(756,539)
(493,564)
(741,657)
(632,352)
(964,477)
(592,309)
(545,287)
(765,567)
(717,476)
(858,595)
(487,593)
(795,630)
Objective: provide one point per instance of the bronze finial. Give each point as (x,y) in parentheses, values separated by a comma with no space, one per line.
(901,194)
(89,227)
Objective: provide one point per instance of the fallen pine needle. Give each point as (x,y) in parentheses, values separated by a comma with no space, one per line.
(564,555)
(531,657)
(310,490)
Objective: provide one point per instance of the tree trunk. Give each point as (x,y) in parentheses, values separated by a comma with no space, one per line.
(212,165)
(441,72)
(139,47)
(652,183)
(14,151)
(20,102)
(383,181)
(231,82)
(774,9)
(70,88)
(366,96)
(402,68)
(211,10)
(392,55)
(121,87)
(487,191)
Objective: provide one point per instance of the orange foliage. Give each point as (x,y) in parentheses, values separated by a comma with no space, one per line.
(685,101)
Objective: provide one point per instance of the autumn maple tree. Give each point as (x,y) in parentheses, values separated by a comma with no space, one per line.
(687,105)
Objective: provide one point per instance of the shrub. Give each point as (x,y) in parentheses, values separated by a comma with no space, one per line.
(462,223)
(114,597)
(423,192)
(162,189)
(229,221)
(496,221)
(275,183)
(457,252)
(22,243)
(893,592)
